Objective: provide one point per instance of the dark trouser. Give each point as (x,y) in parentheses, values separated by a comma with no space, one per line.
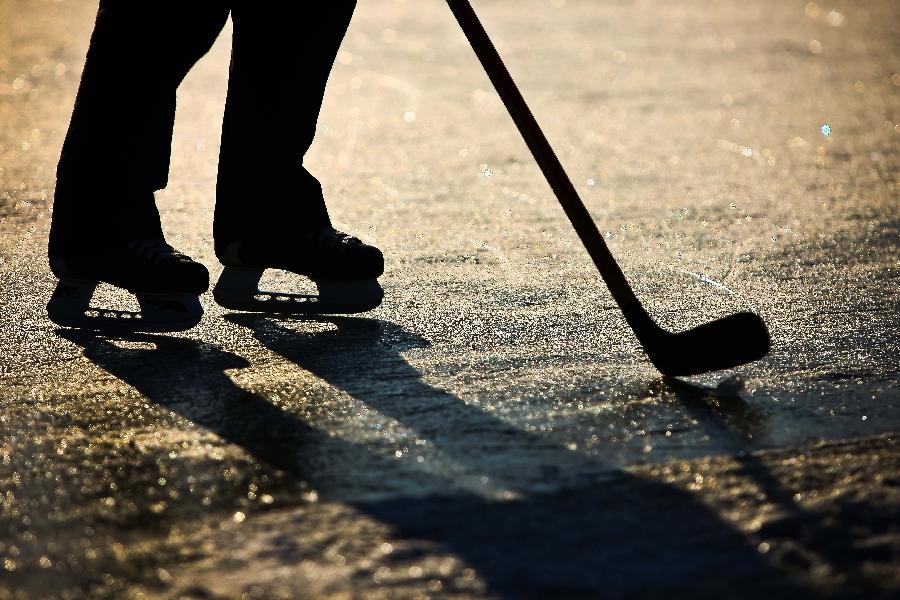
(116,153)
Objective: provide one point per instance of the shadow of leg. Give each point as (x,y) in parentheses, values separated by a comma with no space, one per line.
(563,538)
(188,378)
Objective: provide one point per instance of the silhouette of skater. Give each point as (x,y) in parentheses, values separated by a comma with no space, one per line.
(270,211)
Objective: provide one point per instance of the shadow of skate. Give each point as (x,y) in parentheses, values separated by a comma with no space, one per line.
(597,532)
(189,379)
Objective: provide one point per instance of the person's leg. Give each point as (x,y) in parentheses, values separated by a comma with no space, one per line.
(281,58)
(116,152)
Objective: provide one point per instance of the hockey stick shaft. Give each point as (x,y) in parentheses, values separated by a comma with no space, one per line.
(553,171)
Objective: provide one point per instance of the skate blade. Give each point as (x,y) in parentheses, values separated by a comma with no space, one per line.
(238,289)
(69,306)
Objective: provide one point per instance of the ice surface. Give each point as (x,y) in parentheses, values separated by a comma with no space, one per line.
(498,371)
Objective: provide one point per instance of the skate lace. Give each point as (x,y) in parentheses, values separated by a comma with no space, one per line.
(156,251)
(333,238)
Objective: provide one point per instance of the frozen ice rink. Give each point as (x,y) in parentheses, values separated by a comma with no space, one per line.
(493,429)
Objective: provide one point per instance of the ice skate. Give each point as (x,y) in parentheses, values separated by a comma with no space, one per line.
(167,285)
(344,269)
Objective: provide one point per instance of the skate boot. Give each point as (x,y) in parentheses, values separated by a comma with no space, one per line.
(166,282)
(344,269)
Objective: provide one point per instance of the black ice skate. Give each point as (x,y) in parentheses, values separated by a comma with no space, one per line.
(344,269)
(166,282)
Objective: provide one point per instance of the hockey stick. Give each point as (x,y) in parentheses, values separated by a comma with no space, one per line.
(720,344)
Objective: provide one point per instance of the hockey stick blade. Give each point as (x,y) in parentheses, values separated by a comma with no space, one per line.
(721,344)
